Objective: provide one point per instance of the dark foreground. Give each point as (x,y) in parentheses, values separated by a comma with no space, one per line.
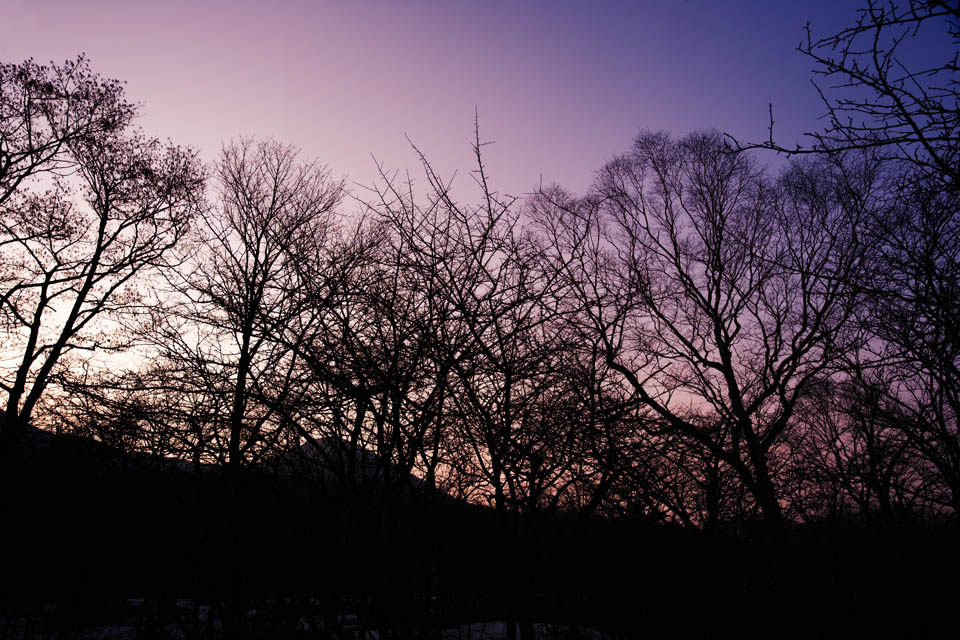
(95,545)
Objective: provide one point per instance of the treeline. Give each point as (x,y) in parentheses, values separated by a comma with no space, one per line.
(696,338)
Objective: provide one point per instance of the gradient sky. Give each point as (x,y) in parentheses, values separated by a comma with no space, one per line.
(559,86)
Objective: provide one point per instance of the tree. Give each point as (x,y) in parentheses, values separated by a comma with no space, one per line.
(891,99)
(505,427)
(143,414)
(215,333)
(719,295)
(370,339)
(45,109)
(848,458)
(87,205)
(916,313)
(886,96)
(239,282)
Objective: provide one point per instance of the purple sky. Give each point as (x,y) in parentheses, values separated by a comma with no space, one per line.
(560,86)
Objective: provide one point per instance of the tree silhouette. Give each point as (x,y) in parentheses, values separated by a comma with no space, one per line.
(216,328)
(106,206)
(718,295)
(892,101)
(883,95)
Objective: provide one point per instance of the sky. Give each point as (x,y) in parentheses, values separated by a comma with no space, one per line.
(559,87)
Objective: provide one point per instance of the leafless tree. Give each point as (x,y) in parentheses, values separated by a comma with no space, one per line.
(143,414)
(886,95)
(719,295)
(215,332)
(917,319)
(505,431)
(368,334)
(849,459)
(87,205)
(240,281)
(46,108)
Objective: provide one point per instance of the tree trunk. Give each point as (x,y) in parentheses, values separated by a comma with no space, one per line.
(766,495)
(713,498)
(237,598)
(12,430)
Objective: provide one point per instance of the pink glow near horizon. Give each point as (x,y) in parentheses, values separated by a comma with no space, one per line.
(560,86)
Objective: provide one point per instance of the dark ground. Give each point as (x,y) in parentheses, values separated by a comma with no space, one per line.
(90,538)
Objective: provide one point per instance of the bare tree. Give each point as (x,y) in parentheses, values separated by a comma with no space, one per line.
(884,94)
(46,108)
(889,97)
(639,469)
(849,459)
(505,429)
(370,339)
(719,295)
(917,313)
(147,415)
(368,335)
(239,282)
(215,333)
(108,205)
